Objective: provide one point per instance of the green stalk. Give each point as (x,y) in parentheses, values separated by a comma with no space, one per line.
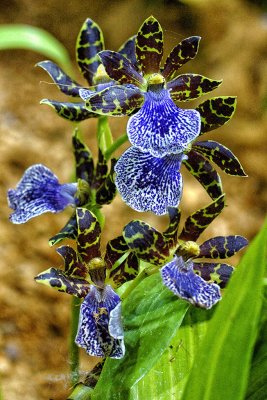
(73,348)
(104,135)
(115,145)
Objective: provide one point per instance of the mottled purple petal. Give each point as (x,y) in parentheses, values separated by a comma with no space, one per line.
(64,82)
(149,46)
(160,127)
(120,68)
(179,277)
(186,50)
(222,246)
(38,192)
(147,183)
(100,330)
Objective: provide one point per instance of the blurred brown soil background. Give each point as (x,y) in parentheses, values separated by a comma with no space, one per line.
(34,319)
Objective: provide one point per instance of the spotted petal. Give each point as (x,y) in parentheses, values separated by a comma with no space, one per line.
(149,46)
(186,50)
(215,272)
(197,222)
(216,112)
(203,171)
(160,127)
(147,243)
(83,158)
(116,101)
(60,281)
(107,191)
(72,111)
(221,156)
(100,330)
(38,192)
(64,82)
(179,277)
(222,246)
(69,231)
(127,49)
(89,231)
(120,68)
(124,272)
(90,42)
(148,183)
(191,86)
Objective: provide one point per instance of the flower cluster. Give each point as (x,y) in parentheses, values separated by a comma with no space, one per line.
(133,82)
(160,132)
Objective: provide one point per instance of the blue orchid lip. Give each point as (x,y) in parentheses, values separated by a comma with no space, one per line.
(148,183)
(179,277)
(100,330)
(38,192)
(160,127)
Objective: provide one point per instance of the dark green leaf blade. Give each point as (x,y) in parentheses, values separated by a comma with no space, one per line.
(152,315)
(237,317)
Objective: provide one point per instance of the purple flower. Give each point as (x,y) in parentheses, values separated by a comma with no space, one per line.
(148,183)
(100,330)
(38,192)
(178,276)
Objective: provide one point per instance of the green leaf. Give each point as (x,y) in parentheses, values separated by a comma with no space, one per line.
(168,377)
(152,315)
(18,36)
(257,387)
(227,348)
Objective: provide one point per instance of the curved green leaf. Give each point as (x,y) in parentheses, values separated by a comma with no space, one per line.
(19,36)
(227,348)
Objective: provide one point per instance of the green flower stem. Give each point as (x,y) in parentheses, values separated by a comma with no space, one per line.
(104,135)
(73,348)
(120,141)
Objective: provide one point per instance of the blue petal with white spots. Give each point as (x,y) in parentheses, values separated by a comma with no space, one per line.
(160,127)
(148,183)
(179,277)
(38,192)
(100,330)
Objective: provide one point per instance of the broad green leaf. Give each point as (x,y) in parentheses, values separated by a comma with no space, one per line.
(257,386)
(81,392)
(168,377)
(152,315)
(19,36)
(221,366)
